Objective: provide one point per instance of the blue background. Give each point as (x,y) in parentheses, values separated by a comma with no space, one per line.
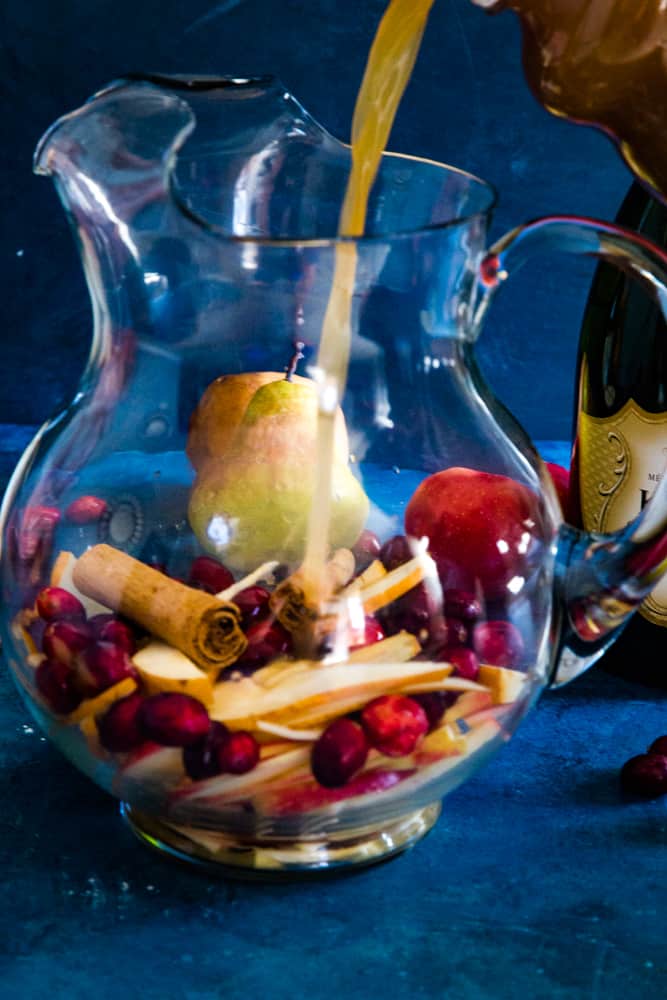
(467,104)
(538,881)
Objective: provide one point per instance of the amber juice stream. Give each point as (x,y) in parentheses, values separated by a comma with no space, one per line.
(390,63)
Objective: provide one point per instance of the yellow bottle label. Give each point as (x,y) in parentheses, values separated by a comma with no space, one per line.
(621,461)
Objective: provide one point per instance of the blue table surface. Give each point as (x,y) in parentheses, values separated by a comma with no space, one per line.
(539,880)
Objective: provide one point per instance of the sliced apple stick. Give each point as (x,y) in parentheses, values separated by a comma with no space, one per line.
(448,739)
(241,702)
(287,732)
(397,648)
(396,583)
(164,668)
(371,574)
(62,576)
(262,572)
(467,704)
(273,748)
(448,684)
(505,685)
(230,787)
(99,704)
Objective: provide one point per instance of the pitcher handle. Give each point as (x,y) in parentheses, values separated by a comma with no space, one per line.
(600,580)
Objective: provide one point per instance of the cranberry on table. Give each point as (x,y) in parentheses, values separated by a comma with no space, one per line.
(645,776)
(498,643)
(64,638)
(55,682)
(100,666)
(200,759)
(210,575)
(339,752)
(173,719)
(394,724)
(238,753)
(253,603)
(118,729)
(86,510)
(365,550)
(659,746)
(57,603)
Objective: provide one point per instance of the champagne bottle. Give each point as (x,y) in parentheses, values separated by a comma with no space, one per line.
(621,424)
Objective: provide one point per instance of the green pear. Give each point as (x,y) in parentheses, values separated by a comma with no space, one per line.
(254,503)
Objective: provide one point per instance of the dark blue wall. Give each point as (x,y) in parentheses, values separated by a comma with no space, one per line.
(467,104)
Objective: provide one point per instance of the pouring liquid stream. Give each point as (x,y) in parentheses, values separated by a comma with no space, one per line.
(388,70)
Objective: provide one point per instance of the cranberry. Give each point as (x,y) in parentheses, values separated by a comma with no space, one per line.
(56,603)
(463,660)
(395,552)
(435,704)
(109,628)
(414,612)
(253,603)
(339,752)
(499,643)
(86,510)
(200,759)
(100,666)
(55,682)
(645,776)
(394,724)
(266,641)
(63,639)
(456,631)
(372,632)
(366,549)
(462,604)
(238,753)
(659,746)
(209,574)
(173,719)
(118,728)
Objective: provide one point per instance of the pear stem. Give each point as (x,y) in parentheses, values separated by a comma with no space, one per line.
(294,360)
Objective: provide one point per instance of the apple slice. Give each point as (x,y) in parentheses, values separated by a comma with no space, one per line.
(164,668)
(308,795)
(505,685)
(467,704)
(287,732)
(151,764)
(396,649)
(394,584)
(240,702)
(232,787)
(262,572)
(374,572)
(61,576)
(449,740)
(101,702)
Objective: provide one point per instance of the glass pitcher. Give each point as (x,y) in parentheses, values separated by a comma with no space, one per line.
(163,613)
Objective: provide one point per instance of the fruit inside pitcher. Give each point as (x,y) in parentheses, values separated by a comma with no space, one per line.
(295,659)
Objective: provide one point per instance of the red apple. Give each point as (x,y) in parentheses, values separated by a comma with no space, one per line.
(483,530)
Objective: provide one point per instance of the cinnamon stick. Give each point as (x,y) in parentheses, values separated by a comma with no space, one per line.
(202,626)
(297,603)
